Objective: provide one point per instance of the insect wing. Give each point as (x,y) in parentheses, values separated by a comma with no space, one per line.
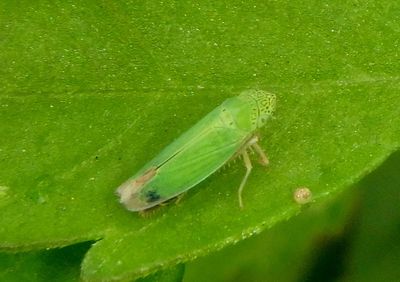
(182,171)
(201,128)
(192,157)
(194,164)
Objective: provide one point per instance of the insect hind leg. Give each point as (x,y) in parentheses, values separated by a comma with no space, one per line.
(249,167)
(251,144)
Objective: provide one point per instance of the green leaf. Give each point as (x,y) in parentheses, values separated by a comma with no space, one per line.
(91,91)
(62,265)
(45,265)
(293,249)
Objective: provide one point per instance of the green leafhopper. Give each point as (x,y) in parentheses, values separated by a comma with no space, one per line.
(225,133)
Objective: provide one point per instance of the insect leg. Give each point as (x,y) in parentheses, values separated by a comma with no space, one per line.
(263,158)
(179,198)
(248,165)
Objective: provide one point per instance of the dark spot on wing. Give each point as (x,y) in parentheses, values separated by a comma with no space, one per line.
(152,196)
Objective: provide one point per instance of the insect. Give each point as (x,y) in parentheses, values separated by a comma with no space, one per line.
(225,133)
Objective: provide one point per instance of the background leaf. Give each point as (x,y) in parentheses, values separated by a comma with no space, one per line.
(90,91)
(45,265)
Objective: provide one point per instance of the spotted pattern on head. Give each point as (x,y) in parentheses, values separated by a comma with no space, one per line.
(267,104)
(264,108)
